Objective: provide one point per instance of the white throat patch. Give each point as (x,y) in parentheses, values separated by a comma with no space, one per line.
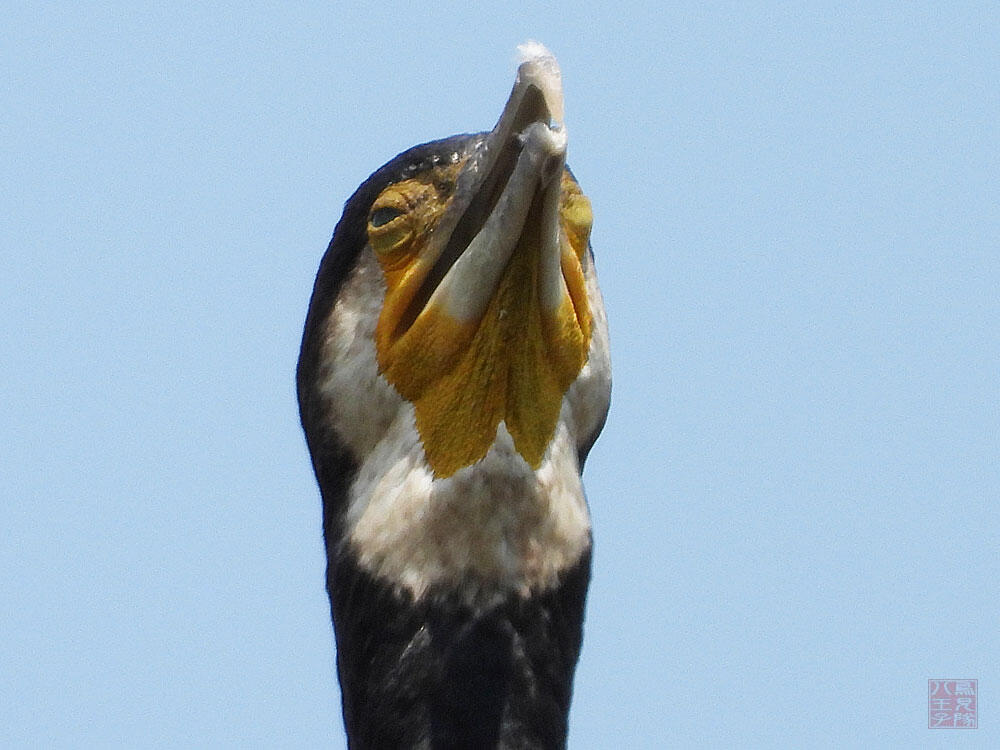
(494,526)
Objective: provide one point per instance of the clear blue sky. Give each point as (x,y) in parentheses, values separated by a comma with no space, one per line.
(797,228)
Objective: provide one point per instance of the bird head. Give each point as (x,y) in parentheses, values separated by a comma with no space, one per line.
(457,338)
(486,317)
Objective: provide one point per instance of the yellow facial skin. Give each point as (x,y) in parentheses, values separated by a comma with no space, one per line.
(514,364)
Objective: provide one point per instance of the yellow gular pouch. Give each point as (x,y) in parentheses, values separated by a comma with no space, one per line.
(513,364)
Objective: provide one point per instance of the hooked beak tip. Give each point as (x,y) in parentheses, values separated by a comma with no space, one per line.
(540,69)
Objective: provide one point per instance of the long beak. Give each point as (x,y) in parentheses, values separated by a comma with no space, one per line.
(515,168)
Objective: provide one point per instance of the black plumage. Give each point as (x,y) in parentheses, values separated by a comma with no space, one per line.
(438,670)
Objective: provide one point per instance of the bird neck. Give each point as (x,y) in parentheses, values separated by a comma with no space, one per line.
(439,673)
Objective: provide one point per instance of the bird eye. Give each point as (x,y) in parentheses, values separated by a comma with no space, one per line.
(382,216)
(390,227)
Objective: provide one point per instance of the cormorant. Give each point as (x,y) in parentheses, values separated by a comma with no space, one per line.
(453,376)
